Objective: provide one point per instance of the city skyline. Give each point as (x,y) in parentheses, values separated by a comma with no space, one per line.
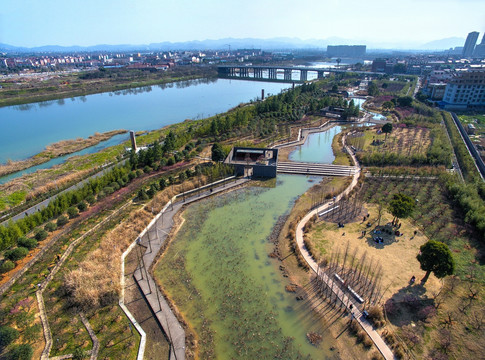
(412,23)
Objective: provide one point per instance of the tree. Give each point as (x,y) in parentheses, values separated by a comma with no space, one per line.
(7,335)
(387,129)
(434,256)
(41,235)
(72,212)
(27,242)
(217,152)
(62,220)
(16,254)
(405,101)
(401,206)
(6,266)
(388,105)
(20,352)
(373,89)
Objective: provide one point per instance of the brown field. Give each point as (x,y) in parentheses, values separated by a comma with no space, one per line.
(397,255)
(404,141)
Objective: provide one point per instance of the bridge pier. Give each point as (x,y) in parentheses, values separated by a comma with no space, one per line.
(244,72)
(258,73)
(320,74)
(287,74)
(303,75)
(272,73)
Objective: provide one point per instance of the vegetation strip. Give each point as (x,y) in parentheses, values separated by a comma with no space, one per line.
(43,285)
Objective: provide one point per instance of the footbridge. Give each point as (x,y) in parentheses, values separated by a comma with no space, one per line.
(278,73)
(315,169)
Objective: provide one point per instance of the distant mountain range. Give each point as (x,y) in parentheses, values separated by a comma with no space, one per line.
(247,43)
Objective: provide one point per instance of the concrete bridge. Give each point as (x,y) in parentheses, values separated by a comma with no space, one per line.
(270,73)
(315,169)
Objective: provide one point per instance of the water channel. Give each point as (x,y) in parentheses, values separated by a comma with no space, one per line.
(231,292)
(27,129)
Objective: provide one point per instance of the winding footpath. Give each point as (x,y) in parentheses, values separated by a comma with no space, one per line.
(346,301)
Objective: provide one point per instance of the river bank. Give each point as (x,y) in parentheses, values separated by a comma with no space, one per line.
(73,85)
(63,147)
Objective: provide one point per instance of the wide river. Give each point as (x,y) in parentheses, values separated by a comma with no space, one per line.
(27,129)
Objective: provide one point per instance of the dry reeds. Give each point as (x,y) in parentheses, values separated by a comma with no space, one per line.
(96,281)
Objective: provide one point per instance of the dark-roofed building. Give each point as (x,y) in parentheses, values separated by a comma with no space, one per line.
(257,162)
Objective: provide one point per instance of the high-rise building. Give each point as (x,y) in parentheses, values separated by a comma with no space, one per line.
(470,42)
(480,49)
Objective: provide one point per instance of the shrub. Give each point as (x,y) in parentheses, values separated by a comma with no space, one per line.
(91,199)
(7,335)
(139,172)
(376,316)
(50,226)
(6,266)
(367,342)
(361,335)
(28,242)
(62,220)
(41,235)
(82,206)
(20,352)
(16,254)
(79,354)
(72,212)
(147,169)
(142,195)
(108,190)
(132,175)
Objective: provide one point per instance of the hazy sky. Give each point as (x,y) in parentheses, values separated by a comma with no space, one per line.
(90,22)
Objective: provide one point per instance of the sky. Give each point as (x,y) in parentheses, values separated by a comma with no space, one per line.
(90,22)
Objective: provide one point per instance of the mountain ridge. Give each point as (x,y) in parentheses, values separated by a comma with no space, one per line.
(278,43)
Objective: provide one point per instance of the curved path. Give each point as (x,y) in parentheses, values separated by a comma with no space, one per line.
(373,334)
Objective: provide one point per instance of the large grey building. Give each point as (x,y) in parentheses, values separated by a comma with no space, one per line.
(470,42)
(353,51)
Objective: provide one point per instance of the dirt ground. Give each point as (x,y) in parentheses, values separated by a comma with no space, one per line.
(396,255)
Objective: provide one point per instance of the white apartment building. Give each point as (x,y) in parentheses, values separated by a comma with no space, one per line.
(466,90)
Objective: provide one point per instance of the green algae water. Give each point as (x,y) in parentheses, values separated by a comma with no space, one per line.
(218,273)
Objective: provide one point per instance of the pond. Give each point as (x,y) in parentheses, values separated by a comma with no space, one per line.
(317,147)
(219,274)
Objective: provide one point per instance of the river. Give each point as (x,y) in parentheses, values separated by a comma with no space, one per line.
(27,129)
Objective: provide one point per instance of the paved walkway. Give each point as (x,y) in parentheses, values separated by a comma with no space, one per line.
(373,334)
(306,168)
(150,242)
